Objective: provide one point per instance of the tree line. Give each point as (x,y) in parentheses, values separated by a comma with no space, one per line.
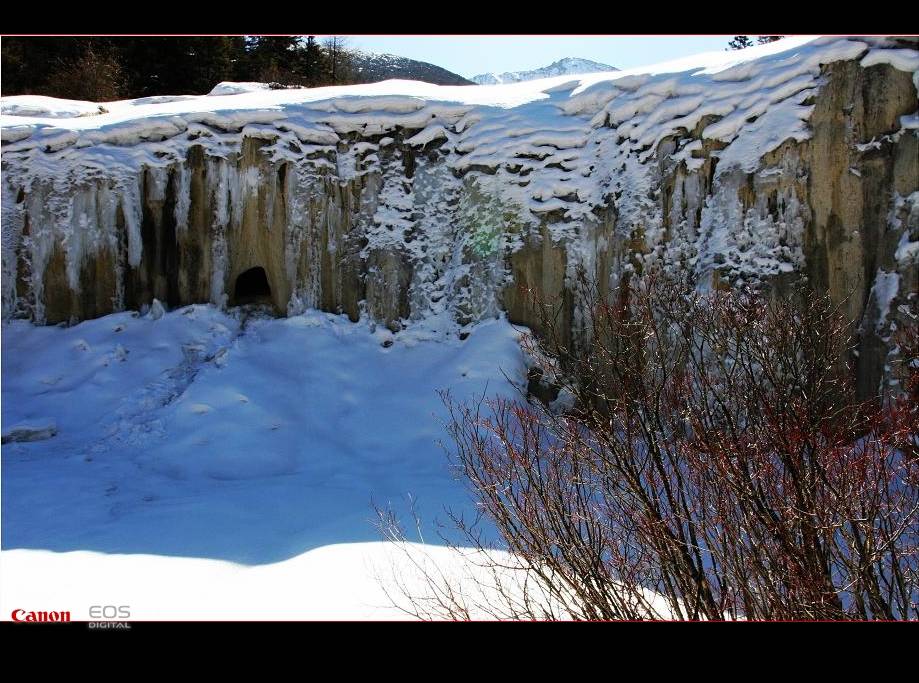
(743,42)
(102,69)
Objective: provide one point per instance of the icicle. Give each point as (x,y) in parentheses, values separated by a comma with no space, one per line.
(13,220)
(158,179)
(221,193)
(296,231)
(39,244)
(183,198)
(133,217)
(82,221)
(107,236)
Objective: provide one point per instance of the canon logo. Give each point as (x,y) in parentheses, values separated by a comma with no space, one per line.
(22,615)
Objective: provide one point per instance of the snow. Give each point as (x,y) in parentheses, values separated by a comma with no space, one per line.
(235,88)
(884,291)
(904,217)
(770,127)
(427,135)
(765,68)
(907,251)
(349,581)
(235,453)
(353,581)
(565,66)
(904,60)
(47,107)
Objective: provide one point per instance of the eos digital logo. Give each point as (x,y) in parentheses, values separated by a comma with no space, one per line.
(110,612)
(118,612)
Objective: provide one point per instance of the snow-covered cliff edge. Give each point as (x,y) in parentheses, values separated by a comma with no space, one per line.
(404,200)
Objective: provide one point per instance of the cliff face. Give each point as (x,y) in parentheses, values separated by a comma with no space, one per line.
(863,175)
(406,201)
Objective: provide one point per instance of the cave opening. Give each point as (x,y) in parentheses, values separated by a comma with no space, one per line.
(252,287)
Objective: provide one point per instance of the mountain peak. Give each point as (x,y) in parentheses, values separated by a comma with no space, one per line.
(563,67)
(370,67)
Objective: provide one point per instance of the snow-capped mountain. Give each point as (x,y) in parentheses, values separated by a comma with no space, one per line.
(563,67)
(370,67)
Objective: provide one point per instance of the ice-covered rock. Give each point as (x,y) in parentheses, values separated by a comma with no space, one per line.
(37,430)
(405,201)
(156,310)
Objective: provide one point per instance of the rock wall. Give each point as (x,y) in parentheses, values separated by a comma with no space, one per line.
(453,212)
(863,177)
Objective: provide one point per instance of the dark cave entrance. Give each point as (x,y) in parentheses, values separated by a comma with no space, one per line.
(252,287)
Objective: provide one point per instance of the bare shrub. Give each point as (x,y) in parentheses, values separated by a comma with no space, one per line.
(96,75)
(715,465)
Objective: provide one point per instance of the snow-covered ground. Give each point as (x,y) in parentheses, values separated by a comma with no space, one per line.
(206,468)
(352,581)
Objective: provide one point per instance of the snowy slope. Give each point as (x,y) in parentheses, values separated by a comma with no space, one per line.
(189,435)
(566,66)
(353,581)
(335,582)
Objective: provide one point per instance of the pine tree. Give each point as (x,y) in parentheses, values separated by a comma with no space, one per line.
(212,60)
(312,58)
(740,42)
(277,59)
(145,66)
(338,60)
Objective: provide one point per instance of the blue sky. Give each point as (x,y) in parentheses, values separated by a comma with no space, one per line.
(471,55)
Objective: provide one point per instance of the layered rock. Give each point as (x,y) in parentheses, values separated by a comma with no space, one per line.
(406,201)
